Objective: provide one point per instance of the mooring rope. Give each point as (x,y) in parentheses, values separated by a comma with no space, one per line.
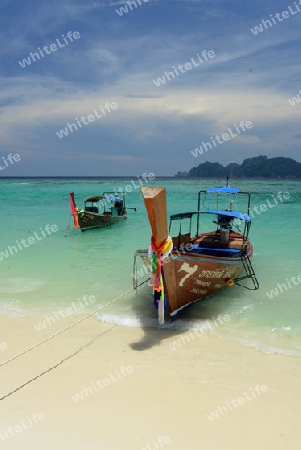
(66,328)
(56,365)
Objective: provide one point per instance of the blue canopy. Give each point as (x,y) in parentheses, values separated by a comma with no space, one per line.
(221,212)
(113,198)
(225,189)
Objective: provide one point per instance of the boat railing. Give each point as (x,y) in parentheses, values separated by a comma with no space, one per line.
(93,209)
(180,240)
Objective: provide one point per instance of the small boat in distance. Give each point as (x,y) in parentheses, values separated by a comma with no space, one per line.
(99,210)
(190,267)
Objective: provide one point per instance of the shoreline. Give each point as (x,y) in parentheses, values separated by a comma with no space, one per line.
(165,394)
(130,177)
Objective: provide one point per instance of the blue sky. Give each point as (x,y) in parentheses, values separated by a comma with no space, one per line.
(117,58)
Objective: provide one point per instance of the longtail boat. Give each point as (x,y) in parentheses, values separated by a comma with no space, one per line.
(99,210)
(187,267)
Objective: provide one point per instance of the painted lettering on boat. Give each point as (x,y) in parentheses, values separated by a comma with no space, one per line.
(229,273)
(202,283)
(189,271)
(216,273)
(198,291)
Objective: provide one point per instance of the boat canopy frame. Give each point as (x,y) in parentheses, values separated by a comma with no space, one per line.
(110,195)
(222,215)
(205,195)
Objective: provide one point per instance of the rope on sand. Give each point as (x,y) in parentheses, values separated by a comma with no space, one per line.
(66,328)
(55,366)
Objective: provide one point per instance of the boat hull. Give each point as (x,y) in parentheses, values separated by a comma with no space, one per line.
(88,220)
(200,266)
(191,277)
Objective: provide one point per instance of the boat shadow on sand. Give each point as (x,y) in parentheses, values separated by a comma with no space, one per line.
(197,320)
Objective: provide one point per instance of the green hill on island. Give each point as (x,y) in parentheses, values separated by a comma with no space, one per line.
(257,167)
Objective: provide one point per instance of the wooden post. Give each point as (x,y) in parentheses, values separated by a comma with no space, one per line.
(155,203)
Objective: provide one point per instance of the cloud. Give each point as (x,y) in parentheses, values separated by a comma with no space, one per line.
(117,59)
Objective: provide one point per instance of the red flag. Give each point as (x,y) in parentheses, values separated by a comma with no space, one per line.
(72,204)
(73,210)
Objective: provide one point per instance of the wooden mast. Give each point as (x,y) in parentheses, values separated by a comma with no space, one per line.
(155,203)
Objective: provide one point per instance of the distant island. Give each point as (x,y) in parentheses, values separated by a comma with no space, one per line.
(257,167)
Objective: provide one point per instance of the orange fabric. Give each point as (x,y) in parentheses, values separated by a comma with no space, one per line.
(75,221)
(153,245)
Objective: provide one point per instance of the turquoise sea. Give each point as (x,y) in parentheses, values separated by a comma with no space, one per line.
(60,269)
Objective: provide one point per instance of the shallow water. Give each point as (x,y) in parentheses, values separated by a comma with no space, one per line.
(61,268)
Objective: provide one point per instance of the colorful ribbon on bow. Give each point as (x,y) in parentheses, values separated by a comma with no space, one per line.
(156,254)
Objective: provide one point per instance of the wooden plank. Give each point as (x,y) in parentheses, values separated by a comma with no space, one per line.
(155,203)
(170,283)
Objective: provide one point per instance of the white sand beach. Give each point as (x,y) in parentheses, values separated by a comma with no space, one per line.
(127,389)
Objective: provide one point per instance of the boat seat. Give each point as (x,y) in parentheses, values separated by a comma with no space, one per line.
(212,241)
(237,243)
(181,239)
(226,252)
(93,209)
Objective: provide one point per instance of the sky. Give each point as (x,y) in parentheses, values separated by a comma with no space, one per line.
(116,58)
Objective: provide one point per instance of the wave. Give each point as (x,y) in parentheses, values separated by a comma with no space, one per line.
(18,285)
(268,349)
(139,321)
(200,325)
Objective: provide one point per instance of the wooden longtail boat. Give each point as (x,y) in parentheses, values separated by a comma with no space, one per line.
(99,210)
(195,267)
